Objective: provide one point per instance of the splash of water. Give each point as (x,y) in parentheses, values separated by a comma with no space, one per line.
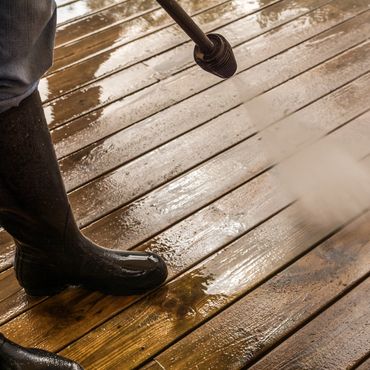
(325,173)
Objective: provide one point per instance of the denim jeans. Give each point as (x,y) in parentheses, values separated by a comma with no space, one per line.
(27,31)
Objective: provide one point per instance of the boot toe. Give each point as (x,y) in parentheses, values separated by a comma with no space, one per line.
(124,272)
(149,272)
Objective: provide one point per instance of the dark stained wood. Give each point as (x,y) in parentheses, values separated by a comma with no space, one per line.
(336,339)
(237,336)
(156,321)
(160,156)
(48,324)
(86,202)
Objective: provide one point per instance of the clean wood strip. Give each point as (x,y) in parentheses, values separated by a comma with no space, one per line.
(79,9)
(335,340)
(71,79)
(144,48)
(182,245)
(174,158)
(156,321)
(75,104)
(134,108)
(60,83)
(113,36)
(94,23)
(131,223)
(271,312)
(129,143)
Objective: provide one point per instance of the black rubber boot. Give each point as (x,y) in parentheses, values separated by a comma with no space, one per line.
(51,252)
(15,357)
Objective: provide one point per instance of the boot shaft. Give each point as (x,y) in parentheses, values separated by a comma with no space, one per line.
(33,199)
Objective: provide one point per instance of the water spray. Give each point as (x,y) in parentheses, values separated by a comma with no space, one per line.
(212,52)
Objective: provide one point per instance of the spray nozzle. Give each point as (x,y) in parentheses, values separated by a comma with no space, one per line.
(219,60)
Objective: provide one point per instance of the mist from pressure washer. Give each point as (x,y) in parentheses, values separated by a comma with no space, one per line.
(324,172)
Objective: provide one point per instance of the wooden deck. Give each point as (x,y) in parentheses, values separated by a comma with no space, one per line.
(158,155)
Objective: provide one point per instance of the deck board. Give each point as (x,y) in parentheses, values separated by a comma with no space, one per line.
(249,328)
(340,336)
(158,155)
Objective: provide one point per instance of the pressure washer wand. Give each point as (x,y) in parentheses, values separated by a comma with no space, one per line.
(212,52)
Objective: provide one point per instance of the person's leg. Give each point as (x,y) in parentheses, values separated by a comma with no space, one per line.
(51,252)
(27,31)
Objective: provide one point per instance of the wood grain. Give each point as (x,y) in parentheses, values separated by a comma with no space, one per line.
(335,340)
(220,17)
(146,103)
(188,301)
(247,329)
(102,92)
(72,10)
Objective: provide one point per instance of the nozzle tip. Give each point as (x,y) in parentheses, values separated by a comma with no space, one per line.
(220,61)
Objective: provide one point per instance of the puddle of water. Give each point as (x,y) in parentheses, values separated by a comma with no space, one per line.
(326,175)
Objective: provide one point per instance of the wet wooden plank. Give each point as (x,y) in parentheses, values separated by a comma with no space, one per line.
(338,338)
(163,164)
(120,13)
(153,365)
(49,323)
(95,160)
(62,82)
(182,245)
(72,10)
(6,250)
(265,316)
(165,40)
(68,107)
(117,116)
(345,104)
(13,301)
(115,36)
(150,325)
(127,225)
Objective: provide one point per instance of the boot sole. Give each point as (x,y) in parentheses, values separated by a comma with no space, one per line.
(44,292)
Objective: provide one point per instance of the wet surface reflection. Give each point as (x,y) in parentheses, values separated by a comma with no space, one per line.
(190,218)
(80,8)
(111,60)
